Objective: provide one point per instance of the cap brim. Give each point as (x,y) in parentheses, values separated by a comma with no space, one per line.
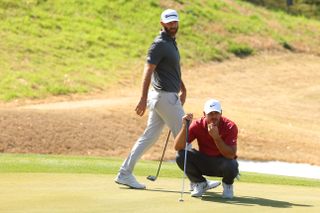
(214,110)
(169,20)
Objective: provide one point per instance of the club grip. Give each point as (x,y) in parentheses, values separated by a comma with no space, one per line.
(187,131)
(187,123)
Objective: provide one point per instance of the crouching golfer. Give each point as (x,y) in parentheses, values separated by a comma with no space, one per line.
(217,142)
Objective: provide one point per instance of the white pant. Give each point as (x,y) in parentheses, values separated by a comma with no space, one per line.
(164,108)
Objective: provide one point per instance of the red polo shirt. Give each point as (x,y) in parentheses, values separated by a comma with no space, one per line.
(199,130)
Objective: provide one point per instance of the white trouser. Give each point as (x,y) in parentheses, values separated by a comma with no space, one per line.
(164,108)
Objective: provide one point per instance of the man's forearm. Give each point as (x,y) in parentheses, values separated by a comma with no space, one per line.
(180,139)
(147,73)
(183,88)
(183,94)
(226,150)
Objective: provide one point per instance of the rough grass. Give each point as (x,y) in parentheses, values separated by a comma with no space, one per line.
(63,47)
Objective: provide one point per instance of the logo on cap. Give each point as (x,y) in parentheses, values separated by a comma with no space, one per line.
(167,16)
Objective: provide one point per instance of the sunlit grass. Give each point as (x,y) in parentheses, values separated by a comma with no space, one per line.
(63,47)
(99,165)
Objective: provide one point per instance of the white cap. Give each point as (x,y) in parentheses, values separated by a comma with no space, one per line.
(212,105)
(169,15)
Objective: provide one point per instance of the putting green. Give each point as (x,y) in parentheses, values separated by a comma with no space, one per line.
(42,192)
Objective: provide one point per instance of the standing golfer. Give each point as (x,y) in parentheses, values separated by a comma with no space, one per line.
(217,142)
(162,70)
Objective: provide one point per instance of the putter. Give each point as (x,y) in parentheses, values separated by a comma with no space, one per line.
(151,177)
(185,161)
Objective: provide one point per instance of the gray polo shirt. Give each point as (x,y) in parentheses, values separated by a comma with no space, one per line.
(165,55)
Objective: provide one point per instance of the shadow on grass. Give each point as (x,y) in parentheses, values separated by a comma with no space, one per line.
(245,200)
(156,190)
(250,201)
(164,190)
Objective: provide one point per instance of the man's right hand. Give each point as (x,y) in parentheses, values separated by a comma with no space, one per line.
(141,107)
(188,116)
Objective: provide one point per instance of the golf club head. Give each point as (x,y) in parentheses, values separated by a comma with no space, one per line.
(152,178)
(181,200)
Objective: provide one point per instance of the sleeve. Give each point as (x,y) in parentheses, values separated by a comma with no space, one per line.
(155,53)
(231,137)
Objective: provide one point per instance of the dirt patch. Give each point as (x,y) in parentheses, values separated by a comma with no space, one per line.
(264,95)
(97,131)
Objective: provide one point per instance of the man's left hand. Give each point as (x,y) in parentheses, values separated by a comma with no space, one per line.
(213,131)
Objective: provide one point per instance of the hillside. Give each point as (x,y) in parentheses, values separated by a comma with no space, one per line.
(67,47)
(53,51)
(273,98)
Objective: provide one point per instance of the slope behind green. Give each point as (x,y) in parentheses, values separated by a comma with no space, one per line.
(54,47)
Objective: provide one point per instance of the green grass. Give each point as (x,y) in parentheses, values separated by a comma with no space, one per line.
(87,193)
(32,163)
(308,8)
(62,47)
(240,50)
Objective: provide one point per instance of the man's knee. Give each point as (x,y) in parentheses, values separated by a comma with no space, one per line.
(231,167)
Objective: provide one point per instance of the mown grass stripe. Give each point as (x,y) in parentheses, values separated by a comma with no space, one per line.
(36,163)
